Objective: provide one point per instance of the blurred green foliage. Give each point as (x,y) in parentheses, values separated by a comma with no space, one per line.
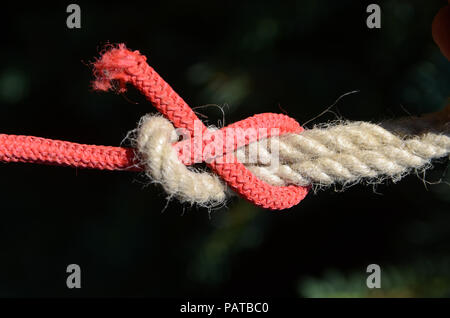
(426,278)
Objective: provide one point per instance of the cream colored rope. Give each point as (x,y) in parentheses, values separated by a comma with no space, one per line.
(340,152)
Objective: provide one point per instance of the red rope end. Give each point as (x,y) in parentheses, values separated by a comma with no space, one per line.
(112,67)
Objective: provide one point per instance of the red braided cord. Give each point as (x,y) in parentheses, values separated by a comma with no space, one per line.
(123,66)
(63,153)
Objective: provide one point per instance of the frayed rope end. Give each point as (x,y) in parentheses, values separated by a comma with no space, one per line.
(112,69)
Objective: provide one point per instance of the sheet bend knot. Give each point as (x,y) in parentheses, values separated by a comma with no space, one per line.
(166,159)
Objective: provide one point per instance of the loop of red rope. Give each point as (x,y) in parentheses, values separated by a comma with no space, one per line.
(124,66)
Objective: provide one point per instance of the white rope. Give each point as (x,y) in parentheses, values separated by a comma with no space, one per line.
(344,152)
(154,142)
(348,152)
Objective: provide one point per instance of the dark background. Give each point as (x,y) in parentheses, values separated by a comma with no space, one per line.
(247,57)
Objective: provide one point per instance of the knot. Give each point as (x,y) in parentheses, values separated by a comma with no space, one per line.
(154,143)
(119,66)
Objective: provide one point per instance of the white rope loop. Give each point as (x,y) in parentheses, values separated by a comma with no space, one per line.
(154,142)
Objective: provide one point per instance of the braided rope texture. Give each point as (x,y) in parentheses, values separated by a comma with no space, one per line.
(14,148)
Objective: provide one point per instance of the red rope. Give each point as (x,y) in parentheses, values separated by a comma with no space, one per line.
(63,153)
(124,66)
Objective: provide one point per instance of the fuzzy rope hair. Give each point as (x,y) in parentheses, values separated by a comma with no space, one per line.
(341,152)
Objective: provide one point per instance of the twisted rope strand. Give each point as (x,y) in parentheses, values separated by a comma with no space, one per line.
(346,153)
